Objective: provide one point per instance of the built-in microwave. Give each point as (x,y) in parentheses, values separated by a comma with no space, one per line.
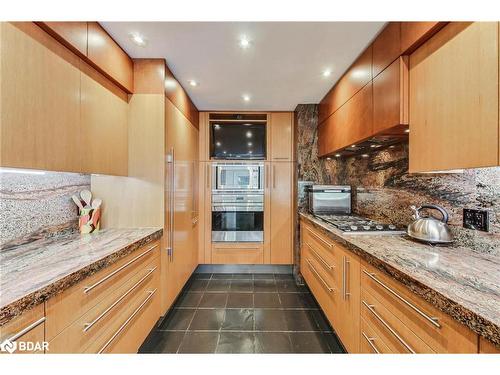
(237,177)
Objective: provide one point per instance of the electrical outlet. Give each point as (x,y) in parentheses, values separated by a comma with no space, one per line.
(477,219)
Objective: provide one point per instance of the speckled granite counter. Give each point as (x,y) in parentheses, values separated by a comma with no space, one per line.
(462,283)
(32,273)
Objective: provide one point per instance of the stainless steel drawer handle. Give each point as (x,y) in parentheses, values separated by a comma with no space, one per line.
(432,320)
(320,258)
(386,325)
(320,239)
(88,326)
(345,279)
(370,341)
(27,329)
(89,288)
(330,289)
(127,322)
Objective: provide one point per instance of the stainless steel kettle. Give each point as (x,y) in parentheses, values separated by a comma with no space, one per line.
(428,228)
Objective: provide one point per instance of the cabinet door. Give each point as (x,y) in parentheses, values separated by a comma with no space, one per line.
(415,33)
(281,136)
(281,212)
(349,297)
(351,123)
(40,100)
(386,47)
(26,328)
(107,55)
(104,126)
(182,139)
(73,34)
(356,77)
(454,99)
(390,96)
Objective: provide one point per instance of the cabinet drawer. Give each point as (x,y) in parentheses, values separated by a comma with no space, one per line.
(29,327)
(320,272)
(323,296)
(438,330)
(398,337)
(370,342)
(132,326)
(67,307)
(105,315)
(320,247)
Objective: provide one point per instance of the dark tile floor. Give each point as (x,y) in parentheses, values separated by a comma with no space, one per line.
(243,313)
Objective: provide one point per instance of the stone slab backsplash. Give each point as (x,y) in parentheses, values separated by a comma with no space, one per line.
(384,190)
(37,204)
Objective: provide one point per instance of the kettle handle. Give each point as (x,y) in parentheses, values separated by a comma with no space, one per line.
(435,207)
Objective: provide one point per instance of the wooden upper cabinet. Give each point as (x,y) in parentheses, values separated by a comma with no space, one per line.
(72,34)
(356,77)
(40,100)
(105,53)
(454,99)
(414,34)
(351,123)
(386,47)
(179,97)
(104,116)
(281,206)
(390,96)
(281,128)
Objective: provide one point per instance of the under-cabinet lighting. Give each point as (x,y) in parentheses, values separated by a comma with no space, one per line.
(407,130)
(20,171)
(328,158)
(337,155)
(365,155)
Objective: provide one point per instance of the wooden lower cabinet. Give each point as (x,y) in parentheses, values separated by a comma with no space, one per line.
(281,212)
(26,332)
(119,304)
(332,274)
(370,311)
(486,347)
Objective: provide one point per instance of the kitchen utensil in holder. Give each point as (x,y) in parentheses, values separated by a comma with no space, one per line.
(89,219)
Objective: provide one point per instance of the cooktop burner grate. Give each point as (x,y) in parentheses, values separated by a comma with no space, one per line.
(359,225)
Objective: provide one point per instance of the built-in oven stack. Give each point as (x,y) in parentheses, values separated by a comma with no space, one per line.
(238,202)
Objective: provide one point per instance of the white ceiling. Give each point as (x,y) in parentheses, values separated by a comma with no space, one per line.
(282,67)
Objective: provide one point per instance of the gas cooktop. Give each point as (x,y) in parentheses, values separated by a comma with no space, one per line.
(352,224)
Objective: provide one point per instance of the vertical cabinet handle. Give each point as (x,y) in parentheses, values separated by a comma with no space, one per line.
(345,277)
(267,175)
(208,176)
(274,177)
(170,248)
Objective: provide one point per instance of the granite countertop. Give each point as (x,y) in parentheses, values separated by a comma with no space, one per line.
(32,273)
(460,282)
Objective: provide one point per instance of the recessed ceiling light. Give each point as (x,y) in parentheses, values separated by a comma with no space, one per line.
(138,39)
(193,83)
(327,73)
(244,42)
(246,98)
